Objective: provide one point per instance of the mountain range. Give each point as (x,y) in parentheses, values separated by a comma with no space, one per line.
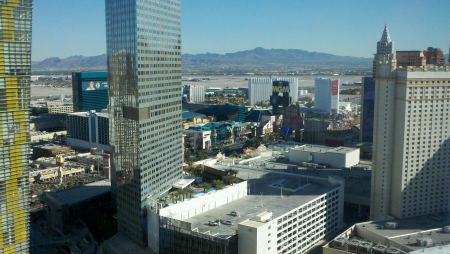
(255,60)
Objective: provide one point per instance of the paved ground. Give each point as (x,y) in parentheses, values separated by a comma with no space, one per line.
(240,81)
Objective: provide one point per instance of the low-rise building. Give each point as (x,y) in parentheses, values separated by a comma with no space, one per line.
(423,234)
(272,212)
(38,136)
(50,150)
(58,107)
(197,138)
(85,202)
(192,118)
(337,157)
(87,130)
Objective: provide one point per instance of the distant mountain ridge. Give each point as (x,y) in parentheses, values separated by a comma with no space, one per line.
(258,59)
(72,63)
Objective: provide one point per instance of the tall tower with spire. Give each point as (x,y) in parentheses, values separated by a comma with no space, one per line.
(385,53)
(385,49)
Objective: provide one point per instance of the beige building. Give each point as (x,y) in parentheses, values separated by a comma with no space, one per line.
(411,175)
(55,107)
(411,58)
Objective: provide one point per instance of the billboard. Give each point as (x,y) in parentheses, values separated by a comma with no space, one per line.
(280,88)
(280,94)
(94,85)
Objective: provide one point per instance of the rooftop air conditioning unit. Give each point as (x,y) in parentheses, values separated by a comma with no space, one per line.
(391,225)
(425,242)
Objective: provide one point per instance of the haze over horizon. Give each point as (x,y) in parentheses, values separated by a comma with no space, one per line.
(349,29)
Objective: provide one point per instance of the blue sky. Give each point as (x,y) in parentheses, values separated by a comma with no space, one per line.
(347,27)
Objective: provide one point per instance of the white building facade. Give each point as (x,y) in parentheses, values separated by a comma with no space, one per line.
(198,139)
(297,231)
(197,94)
(338,157)
(260,89)
(326,94)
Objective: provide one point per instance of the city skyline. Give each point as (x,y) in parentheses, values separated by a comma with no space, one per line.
(230,33)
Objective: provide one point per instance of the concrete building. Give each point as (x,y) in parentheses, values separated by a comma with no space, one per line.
(434,56)
(411,141)
(49,122)
(85,202)
(196,93)
(423,234)
(50,150)
(326,95)
(411,58)
(293,123)
(144,67)
(90,91)
(87,130)
(59,107)
(302,92)
(315,129)
(260,89)
(39,136)
(198,138)
(15,70)
(336,157)
(271,213)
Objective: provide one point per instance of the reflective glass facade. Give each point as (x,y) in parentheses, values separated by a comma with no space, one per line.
(15,62)
(368,107)
(144,67)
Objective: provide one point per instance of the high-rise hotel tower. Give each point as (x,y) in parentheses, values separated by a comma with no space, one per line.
(15,65)
(411,162)
(144,65)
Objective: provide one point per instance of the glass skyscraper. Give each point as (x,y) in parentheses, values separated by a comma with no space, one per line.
(368,104)
(15,65)
(144,67)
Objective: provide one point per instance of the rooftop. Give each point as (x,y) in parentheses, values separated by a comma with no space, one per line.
(324,149)
(357,181)
(87,114)
(273,192)
(80,194)
(422,234)
(409,231)
(51,146)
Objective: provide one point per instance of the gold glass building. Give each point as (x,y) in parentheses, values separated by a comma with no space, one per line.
(15,65)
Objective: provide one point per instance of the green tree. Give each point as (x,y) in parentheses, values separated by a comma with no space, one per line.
(218,184)
(205,186)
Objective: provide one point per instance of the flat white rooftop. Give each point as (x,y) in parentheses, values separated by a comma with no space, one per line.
(183,183)
(324,149)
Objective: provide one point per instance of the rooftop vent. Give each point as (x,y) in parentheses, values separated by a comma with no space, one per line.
(339,243)
(264,216)
(379,249)
(393,250)
(391,225)
(425,242)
